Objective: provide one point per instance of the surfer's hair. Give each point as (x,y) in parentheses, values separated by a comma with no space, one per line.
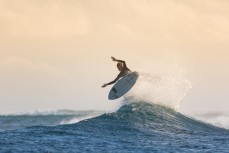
(119,64)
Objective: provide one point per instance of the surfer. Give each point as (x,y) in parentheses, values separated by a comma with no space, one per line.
(124,70)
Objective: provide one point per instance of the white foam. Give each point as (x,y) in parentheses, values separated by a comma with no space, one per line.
(75,120)
(220,119)
(165,88)
(81,118)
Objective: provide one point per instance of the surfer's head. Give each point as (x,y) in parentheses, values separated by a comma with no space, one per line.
(119,66)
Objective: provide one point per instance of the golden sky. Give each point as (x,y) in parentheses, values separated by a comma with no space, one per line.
(53,53)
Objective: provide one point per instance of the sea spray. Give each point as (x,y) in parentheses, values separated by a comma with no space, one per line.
(167,88)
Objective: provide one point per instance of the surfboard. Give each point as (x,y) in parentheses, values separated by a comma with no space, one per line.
(123,86)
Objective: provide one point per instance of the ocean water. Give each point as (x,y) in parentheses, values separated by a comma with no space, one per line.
(134,127)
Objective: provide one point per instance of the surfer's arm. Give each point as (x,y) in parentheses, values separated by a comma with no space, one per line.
(112,82)
(121,61)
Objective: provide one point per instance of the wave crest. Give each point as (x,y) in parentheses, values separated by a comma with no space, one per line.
(167,89)
(146,116)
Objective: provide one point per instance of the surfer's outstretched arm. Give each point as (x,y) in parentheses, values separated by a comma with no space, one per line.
(121,61)
(112,82)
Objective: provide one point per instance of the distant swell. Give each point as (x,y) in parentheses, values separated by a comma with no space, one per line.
(44,118)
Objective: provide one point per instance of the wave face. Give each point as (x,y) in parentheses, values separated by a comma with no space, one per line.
(135,127)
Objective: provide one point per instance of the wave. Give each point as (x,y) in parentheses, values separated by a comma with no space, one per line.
(137,126)
(135,115)
(43,118)
(153,117)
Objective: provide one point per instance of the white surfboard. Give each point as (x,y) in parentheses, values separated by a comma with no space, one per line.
(123,86)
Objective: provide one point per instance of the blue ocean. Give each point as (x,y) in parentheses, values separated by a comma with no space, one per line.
(134,127)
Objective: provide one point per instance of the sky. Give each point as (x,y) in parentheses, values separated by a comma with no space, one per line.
(55,54)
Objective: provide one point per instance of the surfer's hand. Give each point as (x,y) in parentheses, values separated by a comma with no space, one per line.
(113,58)
(104,85)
